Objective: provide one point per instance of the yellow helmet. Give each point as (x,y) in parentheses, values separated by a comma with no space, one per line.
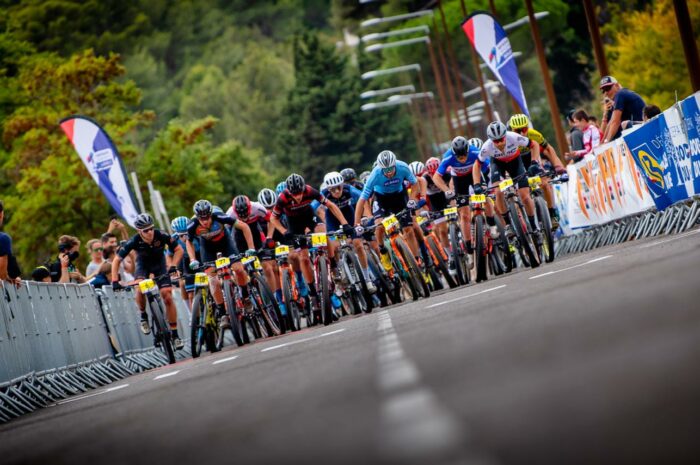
(518,121)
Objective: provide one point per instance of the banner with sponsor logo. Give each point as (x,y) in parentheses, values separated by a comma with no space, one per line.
(491,43)
(660,149)
(605,186)
(690,108)
(100,156)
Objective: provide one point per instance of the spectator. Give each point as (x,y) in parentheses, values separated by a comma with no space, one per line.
(62,269)
(627,106)
(41,274)
(9,269)
(591,136)
(650,111)
(110,247)
(575,134)
(594,121)
(94,247)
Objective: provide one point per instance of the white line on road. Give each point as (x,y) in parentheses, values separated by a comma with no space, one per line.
(166,375)
(87,396)
(571,267)
(116,388)
(227,359)
(680,236)
(286,344)
(467,296)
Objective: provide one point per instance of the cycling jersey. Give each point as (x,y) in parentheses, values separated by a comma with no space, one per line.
(215,239)
(457,168)
(591,139)
(514,144)
(150,258)
(356,184)
(286,205)
(380,184)
(534,136)
(346,203)
(432,188)
(257,213)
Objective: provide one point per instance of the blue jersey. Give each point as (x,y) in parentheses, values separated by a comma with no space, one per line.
(457,168)
(346,203)
(380,184)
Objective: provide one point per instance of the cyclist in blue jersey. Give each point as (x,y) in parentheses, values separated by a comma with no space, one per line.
(459,159)
(386,183)
(179,227)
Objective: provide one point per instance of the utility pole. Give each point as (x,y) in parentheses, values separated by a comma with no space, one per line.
(446,72)
(430,107)
(477,72)
(690,48)
(438,84)
(546,78)
(598,51)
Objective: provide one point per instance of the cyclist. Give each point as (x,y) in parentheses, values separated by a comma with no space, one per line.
(386,183)
(503,149)
(364,176)
(295,202)
(520,124)
(350,177)
(460,159)
(436,198)
(150,245)
(345,197)
(208,228)
(179,227)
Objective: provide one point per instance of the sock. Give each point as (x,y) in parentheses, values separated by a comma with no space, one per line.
(220,309)
(173,333)
(300,276)
(491,221)
(423,248)
(334,263)
(383,250)
(312,290)
(244,291)
(144,315)
(531,219)
(506,218)
(278,296)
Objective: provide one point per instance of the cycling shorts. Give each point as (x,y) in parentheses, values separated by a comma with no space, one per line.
(158,269)
(437,202)
(514,168)
(242,244)
(225,247)
(299,225)
(393,203)
(462,184)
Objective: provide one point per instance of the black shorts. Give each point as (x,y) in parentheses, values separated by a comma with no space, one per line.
(438,202)
(157,269)
(393,203)
(208,250)
(514,168)
(298,225)
(242,244)
(462,184)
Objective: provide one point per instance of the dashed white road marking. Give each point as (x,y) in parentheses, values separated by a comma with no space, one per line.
(466,296)
(306,339)
(223,360)
(167,375)
(680,236)
(605,257)
(94,394)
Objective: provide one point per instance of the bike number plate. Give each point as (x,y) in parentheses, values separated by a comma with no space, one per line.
(534,181)
(450,212)
(477,199)
(201,279)
(223,262)
(390,222)
(421,219)
(147,285)
(319,240)
(281,251)
(256,264)
(504,185)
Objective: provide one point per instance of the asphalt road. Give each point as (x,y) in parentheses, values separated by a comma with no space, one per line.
(592,359)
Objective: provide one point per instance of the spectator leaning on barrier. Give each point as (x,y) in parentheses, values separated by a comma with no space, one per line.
(575,134)
(649,112)
(128,266)
(627,106)
(94,247)
(591,136)
(62,269)
(41,274)
(9,269)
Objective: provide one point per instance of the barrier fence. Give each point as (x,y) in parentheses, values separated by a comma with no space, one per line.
(58,340)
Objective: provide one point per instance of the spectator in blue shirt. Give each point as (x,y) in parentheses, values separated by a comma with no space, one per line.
(9,269)
(627,106)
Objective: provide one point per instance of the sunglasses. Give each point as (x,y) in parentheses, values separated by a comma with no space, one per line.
(521,130)
(388,170)
(605,90)
(98,249)
(147,230)
(204,217)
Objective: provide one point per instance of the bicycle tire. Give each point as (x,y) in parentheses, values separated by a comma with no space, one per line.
(363,282)
(166,341)
(382,277)
(414,271)
(547,248)
(441,264)
(480,249)
(271,310)
(502,245)
(324,285)
(197,331)
(230,304)
(293,318)
(517,221)
(457,254)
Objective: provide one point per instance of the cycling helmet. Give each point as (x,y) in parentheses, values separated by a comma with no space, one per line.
(417,168)
(202,208)
(179,224)
(432,165)
(386,159)
(363,176)
(334,179)
(496,130)
(348,174)
(476,142)
(241,205)
(143,221)
(518,121)
(295,184)
(217,209)
(281,187)
(267,197)
(460,147)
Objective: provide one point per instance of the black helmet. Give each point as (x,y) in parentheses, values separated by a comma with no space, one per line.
(348,174)
(202,208)
(242,207)
(143,221)
(460,147)
(295,184)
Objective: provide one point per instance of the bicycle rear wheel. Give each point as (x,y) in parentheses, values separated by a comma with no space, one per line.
(458,254)
(293,320)
(480,249)
(230,304)
(546,250)
(162,328)
(270,309)
(440,262)
(385,287)
(502,246)
(521,232)
(355,266)
(324,284)
(414,271)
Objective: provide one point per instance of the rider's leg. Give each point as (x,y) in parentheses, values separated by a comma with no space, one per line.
(170,308)
(524,193)
(410,234)
(465,225)
(242,278)
(140,301)
(441,231)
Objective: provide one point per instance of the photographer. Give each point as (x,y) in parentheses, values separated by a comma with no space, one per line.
(9,269)
(63,269)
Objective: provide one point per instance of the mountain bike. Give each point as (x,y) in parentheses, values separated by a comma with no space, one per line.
(154,305)
(458,256)
(267,306)
(439,258)
(322,275)
(204,325)
(518,219)
(352,287)
(290,292)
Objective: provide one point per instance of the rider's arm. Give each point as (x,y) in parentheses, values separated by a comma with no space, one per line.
(333,208)
(613,125)
(535,151)
(361,209)
(242,226)
(275,223)
(115,268)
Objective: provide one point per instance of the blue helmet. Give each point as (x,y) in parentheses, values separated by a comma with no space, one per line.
(179,224)
(217,209)
(281,187)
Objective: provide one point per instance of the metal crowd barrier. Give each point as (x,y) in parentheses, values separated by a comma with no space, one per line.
(674,220)
(57,340)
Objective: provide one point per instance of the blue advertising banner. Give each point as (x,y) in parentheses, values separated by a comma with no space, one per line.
(660,149)
(691,118)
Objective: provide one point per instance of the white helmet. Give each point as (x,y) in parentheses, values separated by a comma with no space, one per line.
(417,168)
(386,159)
(333,179)
(496,130)
(476,142)
(267,197)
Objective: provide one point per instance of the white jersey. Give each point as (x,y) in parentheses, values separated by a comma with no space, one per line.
(257,213)
(511,151)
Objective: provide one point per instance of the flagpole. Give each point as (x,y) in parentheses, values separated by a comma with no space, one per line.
(448,79)
(477,71)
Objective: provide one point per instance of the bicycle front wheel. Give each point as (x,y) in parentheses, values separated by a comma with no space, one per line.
(270,309)
(197,329)
(480,249)
(293,319)
(162,328)
(364,295)
(324,284)
(547,247)
(230,303)
(458,257)
(517,220)
(413,270)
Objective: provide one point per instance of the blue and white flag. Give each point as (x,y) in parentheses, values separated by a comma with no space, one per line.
(103,162)
(691,118)
(492,44)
